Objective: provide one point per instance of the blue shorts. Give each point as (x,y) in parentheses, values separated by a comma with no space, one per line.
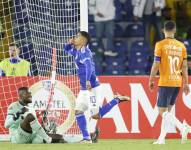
(167,96)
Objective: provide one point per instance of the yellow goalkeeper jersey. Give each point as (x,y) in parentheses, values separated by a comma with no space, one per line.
(22,68)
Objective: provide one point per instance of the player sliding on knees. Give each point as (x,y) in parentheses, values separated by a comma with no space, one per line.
(23,124)
(78,48)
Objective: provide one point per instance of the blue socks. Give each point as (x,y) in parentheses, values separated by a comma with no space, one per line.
(81,120)
(107,107)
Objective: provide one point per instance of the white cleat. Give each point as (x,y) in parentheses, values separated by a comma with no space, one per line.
(122,98)
(85,141)
(159,142)
(185,130)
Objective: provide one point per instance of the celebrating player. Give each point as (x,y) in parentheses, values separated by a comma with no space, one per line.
(171,61)
(23,124)
(78,48)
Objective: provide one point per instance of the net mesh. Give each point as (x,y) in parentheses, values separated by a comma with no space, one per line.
(38,26)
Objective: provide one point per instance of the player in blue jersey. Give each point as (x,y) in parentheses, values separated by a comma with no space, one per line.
(78,47)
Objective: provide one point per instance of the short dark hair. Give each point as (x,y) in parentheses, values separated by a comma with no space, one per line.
(169,25)
(189,57)
(86,35)
(14,44)
(22,89)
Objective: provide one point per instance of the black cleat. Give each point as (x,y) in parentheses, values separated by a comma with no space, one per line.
(95,136)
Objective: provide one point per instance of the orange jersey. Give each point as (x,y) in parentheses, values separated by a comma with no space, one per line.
(172,53)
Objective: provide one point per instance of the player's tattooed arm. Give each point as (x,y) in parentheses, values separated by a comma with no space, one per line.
(185,77)
(154,71)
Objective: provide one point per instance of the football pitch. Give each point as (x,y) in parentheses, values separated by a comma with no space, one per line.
(127,144)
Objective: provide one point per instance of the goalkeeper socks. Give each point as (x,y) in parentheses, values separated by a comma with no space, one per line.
(107,107)
(81,120)
(36,127)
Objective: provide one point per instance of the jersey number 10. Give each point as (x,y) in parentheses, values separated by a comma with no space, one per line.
(174,64)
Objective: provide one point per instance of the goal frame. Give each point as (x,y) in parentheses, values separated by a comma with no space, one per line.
(83,27)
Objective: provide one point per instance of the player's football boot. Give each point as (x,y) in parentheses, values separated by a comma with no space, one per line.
(94,136)
(86,141)
(159,142)
(48,141)
(185,130)
(122,98)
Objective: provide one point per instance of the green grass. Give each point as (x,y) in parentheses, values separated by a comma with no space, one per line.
(102,145)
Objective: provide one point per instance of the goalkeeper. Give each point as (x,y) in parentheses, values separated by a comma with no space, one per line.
(78,48)
(23,124)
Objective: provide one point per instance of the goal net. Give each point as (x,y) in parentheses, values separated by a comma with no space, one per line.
(40,28)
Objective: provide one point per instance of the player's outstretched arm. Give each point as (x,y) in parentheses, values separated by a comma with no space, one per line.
(154,70)
(185,77)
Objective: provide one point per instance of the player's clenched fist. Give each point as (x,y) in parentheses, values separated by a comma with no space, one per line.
(71,41)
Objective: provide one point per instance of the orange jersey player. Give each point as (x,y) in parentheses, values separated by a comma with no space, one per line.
(171,53)
(171,62)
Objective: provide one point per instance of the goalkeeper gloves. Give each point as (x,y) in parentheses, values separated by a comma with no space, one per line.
(16,116)
(20,112)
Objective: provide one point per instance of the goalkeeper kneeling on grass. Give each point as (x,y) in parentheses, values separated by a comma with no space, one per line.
(23,124)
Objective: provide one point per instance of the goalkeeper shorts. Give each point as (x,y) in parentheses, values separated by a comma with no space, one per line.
(22,137)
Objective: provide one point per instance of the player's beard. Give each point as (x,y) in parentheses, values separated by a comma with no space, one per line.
(29,100)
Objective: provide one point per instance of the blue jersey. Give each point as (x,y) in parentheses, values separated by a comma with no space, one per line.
(85,65)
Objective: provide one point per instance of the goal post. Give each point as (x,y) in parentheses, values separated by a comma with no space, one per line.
(40,28)
(84,15)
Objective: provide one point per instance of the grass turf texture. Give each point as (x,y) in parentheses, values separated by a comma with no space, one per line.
(127,144)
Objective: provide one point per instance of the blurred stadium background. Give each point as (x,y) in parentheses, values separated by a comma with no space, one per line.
(134,55)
